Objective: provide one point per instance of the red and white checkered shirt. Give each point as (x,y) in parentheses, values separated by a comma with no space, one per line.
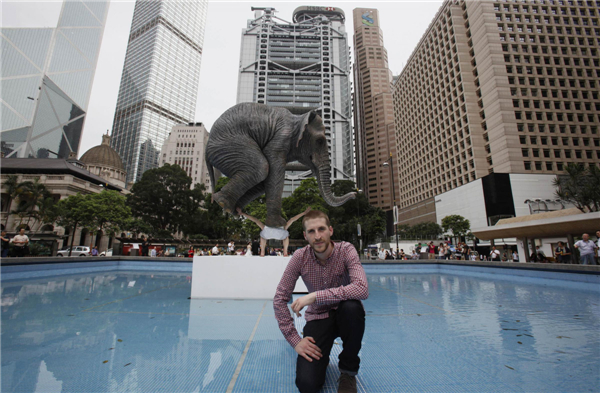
(341,278)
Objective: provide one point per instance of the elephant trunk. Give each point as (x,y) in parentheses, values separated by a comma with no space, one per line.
(324,181)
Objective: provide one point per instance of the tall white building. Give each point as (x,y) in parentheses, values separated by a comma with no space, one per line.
(160,79)
(46,80)
(301,66)
(185,147)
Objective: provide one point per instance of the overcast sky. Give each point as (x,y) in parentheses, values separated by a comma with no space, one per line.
(403,23)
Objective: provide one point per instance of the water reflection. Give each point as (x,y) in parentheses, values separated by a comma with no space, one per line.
(131,331)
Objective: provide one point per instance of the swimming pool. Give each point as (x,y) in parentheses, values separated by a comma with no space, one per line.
(427,330)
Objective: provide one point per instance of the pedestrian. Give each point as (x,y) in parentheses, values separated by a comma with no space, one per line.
(231,248)
(153,253)
(268,232)
(541,257)
(562,253)
(95,251)
(587,250)
(515,256)
(215,250)
(145,245)
(494,254)
(21,243)
(334,309)
(249,249)
(598,245)
(4,244)
(441,251)
(431,251)
(415,255)
(458,252)
(402,255)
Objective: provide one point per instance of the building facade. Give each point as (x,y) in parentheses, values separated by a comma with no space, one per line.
(46,80)
(497,88)
(301,66)
(159,84)
(185,147)
(61,178)
(374,130)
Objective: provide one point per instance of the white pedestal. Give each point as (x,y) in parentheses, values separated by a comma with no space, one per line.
(238,277)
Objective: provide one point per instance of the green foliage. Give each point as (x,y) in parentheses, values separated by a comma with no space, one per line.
(458,225)
(423,230)
(163,198)
(105,211)
(580,186)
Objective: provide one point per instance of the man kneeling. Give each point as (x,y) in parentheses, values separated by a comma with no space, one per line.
(336,283)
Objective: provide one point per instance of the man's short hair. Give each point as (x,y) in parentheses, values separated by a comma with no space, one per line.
(315,214)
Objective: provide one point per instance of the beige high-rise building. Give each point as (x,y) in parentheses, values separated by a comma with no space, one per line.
(185,147)
(373,110)
(497,90)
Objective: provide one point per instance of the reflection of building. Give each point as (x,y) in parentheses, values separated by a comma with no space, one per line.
(495,100)
(160,79)
(46,81)
(373,110)
(104,161)
(185,147)
(301,66)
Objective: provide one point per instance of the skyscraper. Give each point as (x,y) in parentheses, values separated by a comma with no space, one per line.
(496,99)
(46,81)
(302,65)
(160,79)
(374,130)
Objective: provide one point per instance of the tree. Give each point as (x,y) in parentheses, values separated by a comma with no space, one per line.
(422,230)
(11,185)
(163,198)
(67,213)
(459,225)
(580,186)
(32,192)
(105,211)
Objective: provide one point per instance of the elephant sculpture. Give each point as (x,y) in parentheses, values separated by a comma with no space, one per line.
(252,144)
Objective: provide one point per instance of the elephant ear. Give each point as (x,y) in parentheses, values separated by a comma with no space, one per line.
(306,120)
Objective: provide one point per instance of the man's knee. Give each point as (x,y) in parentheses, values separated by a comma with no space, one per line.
(307,384)
(351,307)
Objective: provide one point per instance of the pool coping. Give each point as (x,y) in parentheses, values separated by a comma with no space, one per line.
(551,267)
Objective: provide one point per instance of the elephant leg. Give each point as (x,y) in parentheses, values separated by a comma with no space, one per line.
(251,195)
(247,173)
(274,189)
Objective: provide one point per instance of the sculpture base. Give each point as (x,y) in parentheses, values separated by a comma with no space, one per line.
(238,277)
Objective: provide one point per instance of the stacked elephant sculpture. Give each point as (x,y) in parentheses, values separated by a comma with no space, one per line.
(252,144)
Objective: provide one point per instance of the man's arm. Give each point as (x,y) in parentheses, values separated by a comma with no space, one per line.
(358,289)
(283,294)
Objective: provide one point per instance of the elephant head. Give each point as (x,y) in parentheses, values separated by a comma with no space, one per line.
(312,151)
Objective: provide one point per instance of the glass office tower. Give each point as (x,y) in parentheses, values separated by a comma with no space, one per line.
(302,66)
(46,80)
(160,80)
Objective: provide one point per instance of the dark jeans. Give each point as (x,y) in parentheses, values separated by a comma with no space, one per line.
(20,251)
(348,323)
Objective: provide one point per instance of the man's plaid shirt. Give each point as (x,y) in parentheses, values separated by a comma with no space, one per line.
(341,278)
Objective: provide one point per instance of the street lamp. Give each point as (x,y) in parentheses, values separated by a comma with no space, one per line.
(388,163)
(358,228)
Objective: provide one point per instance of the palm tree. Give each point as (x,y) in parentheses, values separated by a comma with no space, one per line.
(580,186)
(33,193)
(13,190)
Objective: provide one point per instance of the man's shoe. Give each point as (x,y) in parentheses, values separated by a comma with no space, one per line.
(347,383)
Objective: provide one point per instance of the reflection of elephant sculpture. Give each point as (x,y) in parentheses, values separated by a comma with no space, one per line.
(252,143)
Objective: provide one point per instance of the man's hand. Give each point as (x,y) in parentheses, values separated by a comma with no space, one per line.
(308,349)
(300,303)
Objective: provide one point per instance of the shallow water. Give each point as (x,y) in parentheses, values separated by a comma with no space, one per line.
(139,332)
